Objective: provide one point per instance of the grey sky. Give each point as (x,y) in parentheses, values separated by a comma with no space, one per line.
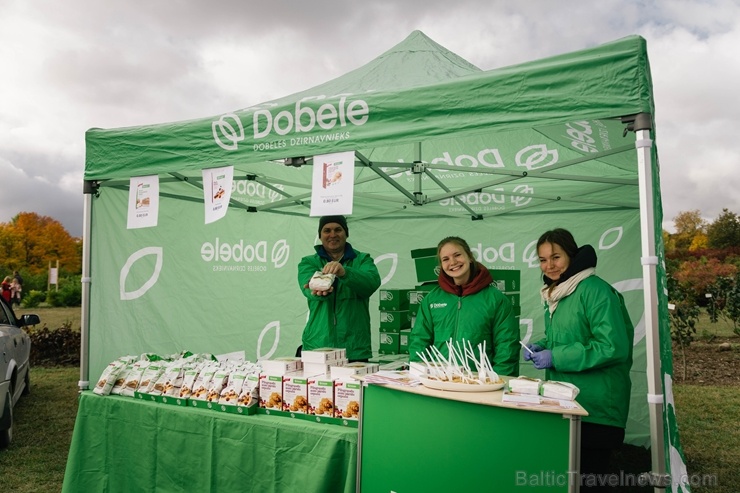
(70,66)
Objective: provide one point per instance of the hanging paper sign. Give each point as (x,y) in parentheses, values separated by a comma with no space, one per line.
(217,192)
(143,202)
(333,184)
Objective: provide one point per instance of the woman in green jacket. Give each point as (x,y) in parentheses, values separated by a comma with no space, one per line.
(338,317)
(588,342)
(466,306)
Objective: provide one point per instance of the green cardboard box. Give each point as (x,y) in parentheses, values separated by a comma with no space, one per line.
(390,343)
(507,281)
(394,299)
(395,321)
(427,266)
(403,342)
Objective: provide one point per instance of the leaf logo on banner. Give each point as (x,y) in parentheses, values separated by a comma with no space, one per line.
(280,253)
(536,157)
(273,328)
(226,134)
(530,256)
(381,259)
(144,252)
(616,232)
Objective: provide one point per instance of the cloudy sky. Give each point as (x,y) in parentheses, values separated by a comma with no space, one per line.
(69,66)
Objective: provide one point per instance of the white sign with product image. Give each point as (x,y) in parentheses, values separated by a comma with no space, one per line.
(333,184)
(217,192)
(143,202)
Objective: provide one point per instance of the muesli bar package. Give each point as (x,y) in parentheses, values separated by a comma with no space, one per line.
(271,391)
(133,379)
(218,383)
(121,380)
(188,380)
(150,376)
(108,377)
(347,398)
(203,382)
(250,390)
(295,393)
(321,396)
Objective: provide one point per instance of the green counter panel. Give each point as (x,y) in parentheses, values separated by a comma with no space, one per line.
(415,443)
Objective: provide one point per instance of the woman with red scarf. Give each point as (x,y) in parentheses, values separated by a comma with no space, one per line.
(466,306)
(6,290)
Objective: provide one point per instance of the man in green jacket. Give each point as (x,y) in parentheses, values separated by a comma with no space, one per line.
(340,316)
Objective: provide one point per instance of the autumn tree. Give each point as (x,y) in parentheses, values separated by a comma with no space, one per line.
(724,232)
(688,224)
(697,276)
(31,242)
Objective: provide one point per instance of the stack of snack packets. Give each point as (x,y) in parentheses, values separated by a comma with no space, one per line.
(203,382)
(150,376)
(108,377)
(189,376)
(249,394)
(218,382)
(133,379)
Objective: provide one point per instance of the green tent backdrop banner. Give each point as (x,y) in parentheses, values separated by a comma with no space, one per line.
(442,148)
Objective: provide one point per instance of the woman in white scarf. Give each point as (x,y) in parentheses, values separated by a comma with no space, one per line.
(588,343)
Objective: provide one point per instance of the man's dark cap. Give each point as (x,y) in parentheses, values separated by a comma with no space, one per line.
(340,220)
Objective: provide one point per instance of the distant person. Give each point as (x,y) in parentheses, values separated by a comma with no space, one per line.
(6,289)
(339,316)
(466,306)
(588,342)
(15,292)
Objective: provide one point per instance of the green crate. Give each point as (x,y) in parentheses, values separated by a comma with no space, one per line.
(390,343)
(394,299)
(507,281)
(426,263)
(395,321)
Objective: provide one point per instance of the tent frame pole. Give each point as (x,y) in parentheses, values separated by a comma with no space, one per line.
(655,397)
(90,188)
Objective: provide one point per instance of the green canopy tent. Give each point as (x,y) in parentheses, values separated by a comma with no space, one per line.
(442,148)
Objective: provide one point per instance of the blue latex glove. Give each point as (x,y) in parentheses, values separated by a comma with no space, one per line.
(542,359)
(532,347)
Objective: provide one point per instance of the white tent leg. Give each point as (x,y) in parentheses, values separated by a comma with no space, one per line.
(84,382)
(652,335)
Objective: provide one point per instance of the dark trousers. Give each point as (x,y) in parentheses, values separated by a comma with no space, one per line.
(598,442)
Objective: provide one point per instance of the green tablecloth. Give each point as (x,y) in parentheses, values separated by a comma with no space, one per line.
(122,444)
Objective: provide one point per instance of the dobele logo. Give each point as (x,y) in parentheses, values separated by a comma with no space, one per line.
(247,256)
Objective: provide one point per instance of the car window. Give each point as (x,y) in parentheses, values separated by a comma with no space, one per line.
(5,316)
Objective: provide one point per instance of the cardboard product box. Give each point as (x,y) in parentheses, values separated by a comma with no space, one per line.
(321,396)
(324,355)
(271,391)
(389,343)
(515,302)
(321,368)
(281,366)
(403,341)
(347,398)
(356,368)
(426,263)
(394,299)
(416,297)
(395,321)
(507,281)
(295,393)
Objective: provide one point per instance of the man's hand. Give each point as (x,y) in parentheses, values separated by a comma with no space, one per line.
(320,293)
(334,268)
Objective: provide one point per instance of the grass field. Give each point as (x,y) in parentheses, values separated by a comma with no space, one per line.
(35,461)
